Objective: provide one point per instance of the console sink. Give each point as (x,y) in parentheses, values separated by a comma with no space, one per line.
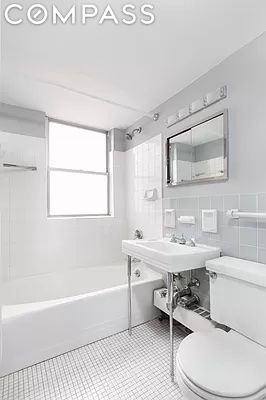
(170,257)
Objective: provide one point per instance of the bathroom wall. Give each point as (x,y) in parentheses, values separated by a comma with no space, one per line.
(244,75)
(144,172)
(242,238)
(22,120)
(33,244)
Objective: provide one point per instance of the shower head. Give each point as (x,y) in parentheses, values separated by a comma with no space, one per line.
(129,136)
(137,130)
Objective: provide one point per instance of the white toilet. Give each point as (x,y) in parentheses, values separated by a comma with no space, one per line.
(218,365)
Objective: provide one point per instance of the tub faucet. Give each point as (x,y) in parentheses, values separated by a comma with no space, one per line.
(137,273)
(138,234)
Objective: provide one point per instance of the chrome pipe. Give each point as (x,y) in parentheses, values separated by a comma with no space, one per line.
(170,291)
(129,274)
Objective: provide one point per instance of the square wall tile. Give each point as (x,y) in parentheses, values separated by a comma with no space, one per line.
(218,235)
(262,224)
(262,238)
(172,203)
(217,203)
(204,203)
(262,256)
(190,203)
(230,234)
(262,202)
(248,202)
(231,202)
(203,237)
(248,223)
(230,250)
(248,236)
(248,253)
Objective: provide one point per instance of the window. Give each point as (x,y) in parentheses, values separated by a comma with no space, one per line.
(78,179)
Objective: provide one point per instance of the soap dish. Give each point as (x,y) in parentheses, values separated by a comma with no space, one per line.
(151,195)
(187,219)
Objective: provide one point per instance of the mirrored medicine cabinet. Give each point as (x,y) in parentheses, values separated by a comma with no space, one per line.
(199,153)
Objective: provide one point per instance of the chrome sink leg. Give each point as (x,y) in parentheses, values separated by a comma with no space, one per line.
(170,291)
(129,296)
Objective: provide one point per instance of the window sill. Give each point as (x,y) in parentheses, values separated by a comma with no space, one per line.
(96,217)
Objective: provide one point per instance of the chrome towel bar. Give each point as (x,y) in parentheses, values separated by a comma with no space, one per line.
(236,214)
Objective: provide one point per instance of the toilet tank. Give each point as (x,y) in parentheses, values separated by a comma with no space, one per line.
(238,296)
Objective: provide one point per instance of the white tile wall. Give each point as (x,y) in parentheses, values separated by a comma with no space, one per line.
(33,244)
(144,172)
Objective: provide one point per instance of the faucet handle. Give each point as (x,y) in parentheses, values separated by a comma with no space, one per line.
(173,238)
(182,240)
(138,234)
(191,242)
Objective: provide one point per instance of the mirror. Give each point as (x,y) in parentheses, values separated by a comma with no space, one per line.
(199,153)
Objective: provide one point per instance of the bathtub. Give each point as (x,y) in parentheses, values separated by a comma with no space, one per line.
(44,316)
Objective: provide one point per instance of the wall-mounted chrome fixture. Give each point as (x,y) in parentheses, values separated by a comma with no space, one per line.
(151,195)
(155,117)
(16,167)
(129,136)
(197,105)
(138,235)
(236,214)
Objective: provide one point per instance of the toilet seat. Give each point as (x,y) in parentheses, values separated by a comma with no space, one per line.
(218,365)
(201,394)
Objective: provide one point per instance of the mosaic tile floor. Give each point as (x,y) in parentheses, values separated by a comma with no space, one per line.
(117,368)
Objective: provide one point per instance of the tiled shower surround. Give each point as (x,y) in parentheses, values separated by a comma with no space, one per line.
(243,238)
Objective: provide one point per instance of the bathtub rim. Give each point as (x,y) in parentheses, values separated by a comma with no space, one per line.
(28,307)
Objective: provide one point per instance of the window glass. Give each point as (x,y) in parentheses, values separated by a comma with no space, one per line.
(72,147)
(78,183)
(78,194)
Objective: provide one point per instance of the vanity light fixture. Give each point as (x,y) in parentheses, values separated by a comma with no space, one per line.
(197,105)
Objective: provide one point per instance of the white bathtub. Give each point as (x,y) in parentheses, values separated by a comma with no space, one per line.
(48,315)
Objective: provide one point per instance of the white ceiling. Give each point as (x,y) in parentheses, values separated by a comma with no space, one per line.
(86,74)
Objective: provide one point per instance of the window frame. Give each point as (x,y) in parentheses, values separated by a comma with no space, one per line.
(106,173)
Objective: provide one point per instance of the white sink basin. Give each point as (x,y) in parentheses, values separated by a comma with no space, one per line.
(170,257)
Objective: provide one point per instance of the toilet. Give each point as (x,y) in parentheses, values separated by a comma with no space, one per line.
(218,364)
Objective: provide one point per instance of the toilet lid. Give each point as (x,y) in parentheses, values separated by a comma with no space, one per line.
(223,364)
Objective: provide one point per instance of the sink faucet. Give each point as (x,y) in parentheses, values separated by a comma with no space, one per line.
(191,242)
(182,240)
(176,239)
